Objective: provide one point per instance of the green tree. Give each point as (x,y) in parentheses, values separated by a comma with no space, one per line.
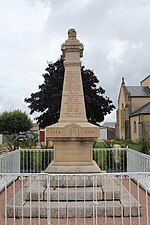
(47,100)
(14,122)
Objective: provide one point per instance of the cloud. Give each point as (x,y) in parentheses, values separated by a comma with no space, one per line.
(115,35)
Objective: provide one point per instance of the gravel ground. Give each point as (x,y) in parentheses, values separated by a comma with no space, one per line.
(78,221)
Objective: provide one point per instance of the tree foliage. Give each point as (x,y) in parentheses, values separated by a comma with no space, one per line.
(14,122)
(47,100)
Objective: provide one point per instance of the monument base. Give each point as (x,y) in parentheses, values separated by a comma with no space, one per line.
(72,169)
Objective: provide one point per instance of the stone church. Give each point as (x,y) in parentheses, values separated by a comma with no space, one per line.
(133,114)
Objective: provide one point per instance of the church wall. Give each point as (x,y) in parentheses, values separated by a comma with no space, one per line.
(138,102)
(146,82)
(121,113)
(134,121)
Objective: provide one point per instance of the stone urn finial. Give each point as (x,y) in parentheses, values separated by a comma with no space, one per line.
(72,33)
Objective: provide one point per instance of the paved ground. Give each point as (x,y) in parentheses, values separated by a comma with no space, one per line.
(87,221)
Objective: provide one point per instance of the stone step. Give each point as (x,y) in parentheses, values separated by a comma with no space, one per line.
(128,206)
(67,180)
(65,194)
(128,201)
(112,199)
(108,191)
(69,209)
(72,181)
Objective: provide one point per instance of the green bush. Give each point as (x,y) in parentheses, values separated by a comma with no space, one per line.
(35,160)
(144,145)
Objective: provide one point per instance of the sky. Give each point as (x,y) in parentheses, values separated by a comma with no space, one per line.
(115,34)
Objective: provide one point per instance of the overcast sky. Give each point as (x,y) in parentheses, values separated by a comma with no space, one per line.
(115,34)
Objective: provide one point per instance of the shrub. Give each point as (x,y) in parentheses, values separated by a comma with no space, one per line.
(144,145)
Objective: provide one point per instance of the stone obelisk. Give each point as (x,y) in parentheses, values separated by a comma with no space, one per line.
(72,136)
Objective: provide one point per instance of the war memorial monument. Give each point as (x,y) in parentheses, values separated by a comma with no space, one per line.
(73,137)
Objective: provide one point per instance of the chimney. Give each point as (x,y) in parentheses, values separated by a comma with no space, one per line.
(123,82)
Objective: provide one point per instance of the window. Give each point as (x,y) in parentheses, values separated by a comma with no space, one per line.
(135,127)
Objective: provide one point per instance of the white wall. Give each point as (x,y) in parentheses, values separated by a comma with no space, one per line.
(103,134)
(1,138)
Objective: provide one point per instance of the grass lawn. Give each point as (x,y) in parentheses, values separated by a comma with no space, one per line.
(142,145)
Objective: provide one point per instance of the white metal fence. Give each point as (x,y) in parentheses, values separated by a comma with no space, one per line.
(75,199)
(35,160)
(9,163)
(120,196)
(121,160)
(110,160)
(114,160)
(137,162)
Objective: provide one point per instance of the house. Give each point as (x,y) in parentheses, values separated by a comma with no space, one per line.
(107,131)
(35,128)
(133,114)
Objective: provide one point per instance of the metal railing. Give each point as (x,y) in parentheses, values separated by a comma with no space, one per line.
(105,198)
(110,160)
(10,162)
(35,160)
(120,196)
(137,161)
(114,160)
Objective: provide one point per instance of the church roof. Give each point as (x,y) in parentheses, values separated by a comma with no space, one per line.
(143,110)
(138,91)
